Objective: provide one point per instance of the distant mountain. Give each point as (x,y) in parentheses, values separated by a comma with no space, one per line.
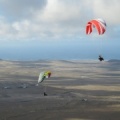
(113,60)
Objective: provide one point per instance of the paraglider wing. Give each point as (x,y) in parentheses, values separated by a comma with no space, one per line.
(88,28)
(41,77)
(47,74)
(99,24)
(44,75)
(103,24)
(102,21)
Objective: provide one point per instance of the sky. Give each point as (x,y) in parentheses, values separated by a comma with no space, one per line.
(55,29)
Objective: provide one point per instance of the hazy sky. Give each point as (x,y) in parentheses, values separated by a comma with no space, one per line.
(56,29)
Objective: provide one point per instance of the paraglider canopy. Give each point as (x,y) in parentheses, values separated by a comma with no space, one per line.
(43,75)
(99,24)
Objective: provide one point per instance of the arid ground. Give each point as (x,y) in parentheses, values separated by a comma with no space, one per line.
(77,90)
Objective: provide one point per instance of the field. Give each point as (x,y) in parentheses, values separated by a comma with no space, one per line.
(77,90)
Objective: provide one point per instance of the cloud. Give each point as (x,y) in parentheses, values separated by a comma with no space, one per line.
(109,10)
(19,9)
(55,19)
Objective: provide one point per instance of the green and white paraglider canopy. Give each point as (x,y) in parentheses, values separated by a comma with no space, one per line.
(43,75)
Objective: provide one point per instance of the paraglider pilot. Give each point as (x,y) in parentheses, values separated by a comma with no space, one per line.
(45,94)
(101,58)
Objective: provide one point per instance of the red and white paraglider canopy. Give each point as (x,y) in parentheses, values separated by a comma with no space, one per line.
(99,24)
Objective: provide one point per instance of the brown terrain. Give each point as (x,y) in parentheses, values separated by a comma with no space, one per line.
(77,90)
